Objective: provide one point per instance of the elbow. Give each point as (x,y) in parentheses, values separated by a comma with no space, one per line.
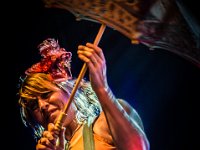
(141,143)
(146,144)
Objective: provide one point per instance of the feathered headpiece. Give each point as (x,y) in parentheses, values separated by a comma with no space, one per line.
(55,61)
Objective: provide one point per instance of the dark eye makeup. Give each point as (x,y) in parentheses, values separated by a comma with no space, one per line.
(46,95)
(33,104)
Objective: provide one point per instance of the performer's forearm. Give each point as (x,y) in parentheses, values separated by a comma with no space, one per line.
(126,132)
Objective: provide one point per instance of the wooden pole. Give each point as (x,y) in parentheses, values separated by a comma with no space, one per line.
(63,115)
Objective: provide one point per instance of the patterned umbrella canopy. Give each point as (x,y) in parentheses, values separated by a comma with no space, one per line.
(164,24)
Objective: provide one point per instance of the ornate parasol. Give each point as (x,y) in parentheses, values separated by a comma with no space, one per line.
(163,24)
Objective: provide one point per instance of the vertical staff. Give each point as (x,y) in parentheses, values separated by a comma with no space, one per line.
(63,115)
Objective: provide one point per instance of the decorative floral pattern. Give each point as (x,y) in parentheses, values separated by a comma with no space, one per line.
(55,61)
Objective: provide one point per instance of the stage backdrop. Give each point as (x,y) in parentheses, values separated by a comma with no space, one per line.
(161,86)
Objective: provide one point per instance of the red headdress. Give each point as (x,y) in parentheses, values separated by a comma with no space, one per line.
(55,61)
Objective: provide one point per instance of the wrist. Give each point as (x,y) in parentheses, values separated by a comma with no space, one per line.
(105,94)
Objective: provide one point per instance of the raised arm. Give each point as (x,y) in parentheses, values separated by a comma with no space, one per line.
(124,123)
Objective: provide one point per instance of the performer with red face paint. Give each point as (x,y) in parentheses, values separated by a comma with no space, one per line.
(95,120)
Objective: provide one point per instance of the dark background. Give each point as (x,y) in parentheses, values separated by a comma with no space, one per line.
(161,86)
